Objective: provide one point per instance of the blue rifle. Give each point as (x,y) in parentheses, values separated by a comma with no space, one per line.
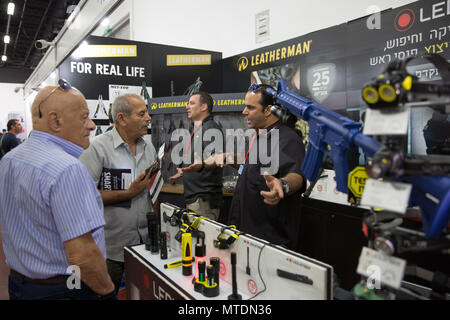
(329,133)
(334,134)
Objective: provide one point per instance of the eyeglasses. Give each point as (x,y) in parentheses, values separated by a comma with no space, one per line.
(63,85)
(254,87)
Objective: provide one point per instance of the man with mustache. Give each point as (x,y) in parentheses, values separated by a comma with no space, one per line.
(117,161)
(266,205)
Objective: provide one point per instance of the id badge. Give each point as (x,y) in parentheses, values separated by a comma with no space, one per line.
(241,168)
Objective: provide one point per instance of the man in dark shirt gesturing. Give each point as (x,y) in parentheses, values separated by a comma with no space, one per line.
(202,188)
(266,202)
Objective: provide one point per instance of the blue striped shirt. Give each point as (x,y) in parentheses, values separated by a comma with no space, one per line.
(46,198)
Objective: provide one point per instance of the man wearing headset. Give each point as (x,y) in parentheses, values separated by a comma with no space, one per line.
(264,205)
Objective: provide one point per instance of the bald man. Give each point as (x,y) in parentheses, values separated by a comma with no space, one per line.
(51,214)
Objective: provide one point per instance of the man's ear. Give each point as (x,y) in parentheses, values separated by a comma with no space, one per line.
(204,107)
(267,112)
(120,119)
(54,121)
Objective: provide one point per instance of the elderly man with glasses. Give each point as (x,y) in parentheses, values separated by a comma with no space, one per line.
(51,214)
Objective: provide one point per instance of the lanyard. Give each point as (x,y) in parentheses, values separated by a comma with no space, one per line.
(190,141)
(250,148)
(253,140)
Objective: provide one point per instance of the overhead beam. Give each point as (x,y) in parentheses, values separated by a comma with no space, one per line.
(20,27)
(44,16)
(80,24)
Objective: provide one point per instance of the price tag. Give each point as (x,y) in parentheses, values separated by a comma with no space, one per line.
(393,196)
(325,189)
(381,268)
(118,90)
(382,123)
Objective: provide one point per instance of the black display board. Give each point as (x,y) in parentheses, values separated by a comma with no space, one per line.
(332,65)
(416,29)
(93,75)
(229,102)
(168,70)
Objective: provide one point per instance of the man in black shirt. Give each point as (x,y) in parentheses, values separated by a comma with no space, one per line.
(202,188)
(267,206)
(9,141)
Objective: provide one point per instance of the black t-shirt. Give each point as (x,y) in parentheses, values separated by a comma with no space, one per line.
(8,142)
(204,184)
(276,224)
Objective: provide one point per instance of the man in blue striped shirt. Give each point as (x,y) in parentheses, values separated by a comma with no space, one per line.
(51,214)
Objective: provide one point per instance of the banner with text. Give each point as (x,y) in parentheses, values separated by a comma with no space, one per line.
(230,102)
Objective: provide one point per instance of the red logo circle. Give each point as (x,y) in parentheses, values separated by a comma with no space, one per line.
(404,20)
(223,269)
(252,287)
(167,237)
(319,188)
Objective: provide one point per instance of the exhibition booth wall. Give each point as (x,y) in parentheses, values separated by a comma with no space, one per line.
(329,66)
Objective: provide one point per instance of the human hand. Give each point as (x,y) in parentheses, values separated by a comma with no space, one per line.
(177,175)
(221,160)
(215,161)
(275,193)
(196,166)
(139,184)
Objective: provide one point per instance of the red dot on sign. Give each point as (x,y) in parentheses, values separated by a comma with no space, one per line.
(252,287)
(404,20)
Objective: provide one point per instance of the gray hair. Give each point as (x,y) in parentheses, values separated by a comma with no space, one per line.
(122,105)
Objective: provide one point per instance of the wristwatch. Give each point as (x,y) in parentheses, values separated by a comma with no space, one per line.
(286,187)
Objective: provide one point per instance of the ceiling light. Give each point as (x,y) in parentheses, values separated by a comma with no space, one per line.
(4,58)
(6,39)
(105,22)
(11,7)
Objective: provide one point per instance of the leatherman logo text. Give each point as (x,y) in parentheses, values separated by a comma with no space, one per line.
(275,55)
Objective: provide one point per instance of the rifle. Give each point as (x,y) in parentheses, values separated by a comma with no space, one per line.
(334,134)
(329,133)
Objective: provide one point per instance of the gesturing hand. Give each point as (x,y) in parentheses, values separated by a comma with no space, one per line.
(196,166)
(275,193)
(176,175)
